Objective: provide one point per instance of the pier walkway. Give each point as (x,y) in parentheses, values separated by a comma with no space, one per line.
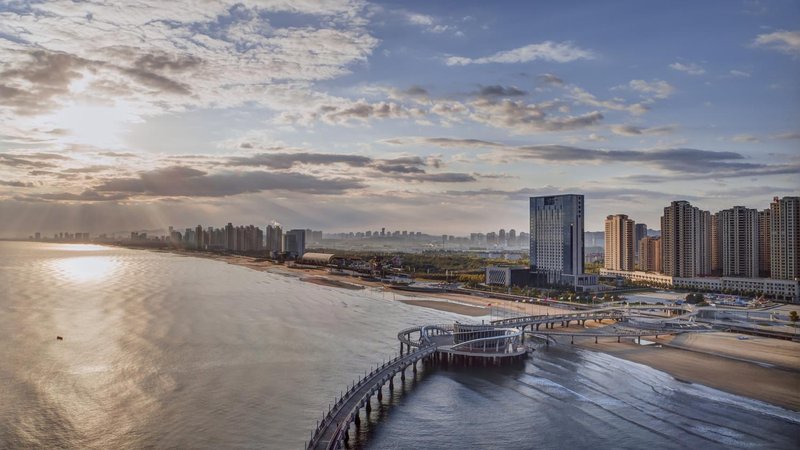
(500,342)
(332,432)
(446,344)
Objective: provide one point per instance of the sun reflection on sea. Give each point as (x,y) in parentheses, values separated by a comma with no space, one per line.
(85,269)
(78,247)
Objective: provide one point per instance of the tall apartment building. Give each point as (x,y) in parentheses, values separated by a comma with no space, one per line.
(230,236)
(639,233)
(764,243)
(785,238)
(619,243)
(686,240)
(738,238)
(200,238)
(716,246)
(556,239)
(274,238)
(650,254)
(294,242)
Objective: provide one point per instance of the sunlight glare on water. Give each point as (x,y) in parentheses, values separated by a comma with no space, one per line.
(85,269)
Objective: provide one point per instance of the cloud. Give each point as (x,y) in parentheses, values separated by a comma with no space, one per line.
(561,52)
(19,184)
(659,89)
(406,168)
(593,137)
(37,79)
(88,169)
(787,136)
(419,19)
(522,118)
(445,177)
(672,159)
(289,160)
(583,97)
(500,91)
(85,196)
(429,23)
(690,68)
(186,181)
(147,58)
(549,78)
(713,173)
(744,138)
(443,142)
(347,112)
(739,73)
(23,161)
(783,41)
(118,154)
(632,130)
(416,91)
(593,192)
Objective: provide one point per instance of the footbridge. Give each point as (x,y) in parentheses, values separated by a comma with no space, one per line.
(619,332)
(437,344)
(549,321)
(333,430)
(616,314)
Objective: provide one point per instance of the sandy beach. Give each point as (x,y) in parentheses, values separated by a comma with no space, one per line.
(760,368)
(778,386)
(445,305)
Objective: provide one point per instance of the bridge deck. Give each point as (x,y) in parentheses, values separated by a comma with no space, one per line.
(338,420)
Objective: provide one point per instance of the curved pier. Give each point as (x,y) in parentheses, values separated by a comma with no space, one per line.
(472,344)
(333,431)
(449,343)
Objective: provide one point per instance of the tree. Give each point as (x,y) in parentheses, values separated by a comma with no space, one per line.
(793,316)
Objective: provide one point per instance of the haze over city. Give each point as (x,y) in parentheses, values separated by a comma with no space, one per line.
(349,115)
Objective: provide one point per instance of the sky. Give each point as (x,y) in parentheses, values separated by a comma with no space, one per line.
(344,115)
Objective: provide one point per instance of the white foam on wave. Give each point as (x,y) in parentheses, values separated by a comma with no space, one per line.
(749,404)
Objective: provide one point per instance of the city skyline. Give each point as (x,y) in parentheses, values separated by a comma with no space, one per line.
(420,115)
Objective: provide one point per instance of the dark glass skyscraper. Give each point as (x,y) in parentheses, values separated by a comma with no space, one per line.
(556,247)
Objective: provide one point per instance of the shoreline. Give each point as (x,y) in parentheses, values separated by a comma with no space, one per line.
(773,385)
(761,369)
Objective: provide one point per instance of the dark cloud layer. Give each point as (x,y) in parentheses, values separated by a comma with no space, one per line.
(23,162)
(186,181)
(675,159)
(500,91)
(31,87)
(19,184)
(289,160)
(407,168)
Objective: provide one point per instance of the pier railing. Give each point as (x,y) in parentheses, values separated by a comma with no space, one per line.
(332,430)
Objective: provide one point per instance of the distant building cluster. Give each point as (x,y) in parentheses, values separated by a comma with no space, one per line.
(61,237)
(243,238)
(735,242)
(737,248)
(501,239)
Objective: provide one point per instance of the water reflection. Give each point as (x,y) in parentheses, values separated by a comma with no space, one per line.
(85,269)
(77,248)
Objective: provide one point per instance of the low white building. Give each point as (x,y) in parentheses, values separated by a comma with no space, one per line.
(779,289)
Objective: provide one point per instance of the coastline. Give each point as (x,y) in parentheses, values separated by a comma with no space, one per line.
(762,369)
(769,384)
